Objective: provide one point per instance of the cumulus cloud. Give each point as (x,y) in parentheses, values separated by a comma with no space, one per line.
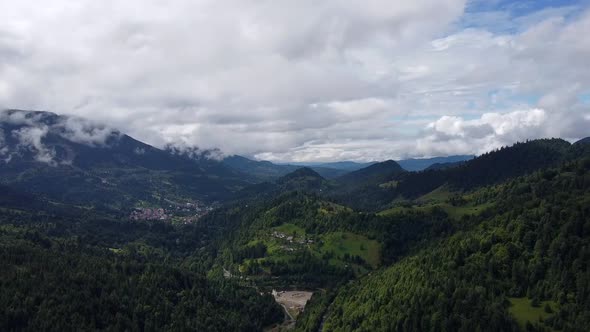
(456,135)
(296,80)
(490,124)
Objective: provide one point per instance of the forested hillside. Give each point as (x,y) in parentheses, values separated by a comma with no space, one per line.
(63,274)
(532,244)
(496,243)
(488,169)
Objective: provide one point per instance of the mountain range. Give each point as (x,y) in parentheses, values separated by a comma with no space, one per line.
(41,149)
(100,231)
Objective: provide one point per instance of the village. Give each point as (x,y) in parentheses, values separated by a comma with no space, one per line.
(184,213)
(292,243)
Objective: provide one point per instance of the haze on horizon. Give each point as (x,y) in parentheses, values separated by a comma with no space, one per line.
(306,81)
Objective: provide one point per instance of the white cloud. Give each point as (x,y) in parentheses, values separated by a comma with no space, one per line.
(489,124)
(455,135)
(86,132)
(30,138)
(296,80)
(32,128)
(3,147)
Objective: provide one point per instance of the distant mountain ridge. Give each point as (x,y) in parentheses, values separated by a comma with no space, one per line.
(73,160)
(347,166)
(372,175)
(489,168)
(422,164)
(439,166)
(267,171)
(412,164)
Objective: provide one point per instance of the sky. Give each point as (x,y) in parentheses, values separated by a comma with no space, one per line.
(305,80)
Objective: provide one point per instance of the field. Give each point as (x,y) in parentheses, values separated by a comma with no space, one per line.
(341,244)
(332,208)
(438,195)
(523,312)
(340,248)
(290,229)
(439,198)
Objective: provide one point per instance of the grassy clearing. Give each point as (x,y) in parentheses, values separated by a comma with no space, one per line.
(341,249)
(389,185)
(404,209)
(439,198)
(329,208)
(456,212)
(438,195)
(290,229)
(523,312)
(343,243)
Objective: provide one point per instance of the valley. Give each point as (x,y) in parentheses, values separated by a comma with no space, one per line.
(106,238)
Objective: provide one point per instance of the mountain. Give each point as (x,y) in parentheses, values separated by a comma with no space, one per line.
(264,170)
(303,179)
(328,172)
(76,161)
(439,166)
(583,141)
(421,164)
(495,243)
(347,166)
(267,171)
(514,265)
(492,167)
(372,175)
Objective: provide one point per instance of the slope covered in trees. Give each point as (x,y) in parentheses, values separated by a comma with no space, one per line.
(490,168)
(532,244)
(474,247)
(66,273)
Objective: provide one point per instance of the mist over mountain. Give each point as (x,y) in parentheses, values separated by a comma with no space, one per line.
(295,166)
(79,197)
(73,160)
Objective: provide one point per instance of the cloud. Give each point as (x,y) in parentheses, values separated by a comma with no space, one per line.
(297,80)
(490,124)
(194,152)
(30,138)
(32,128)
(456,135)
(3,146)
(85,132)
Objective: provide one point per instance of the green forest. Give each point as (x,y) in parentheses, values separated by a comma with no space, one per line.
(498,243)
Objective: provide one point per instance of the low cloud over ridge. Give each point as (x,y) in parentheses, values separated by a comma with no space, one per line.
(302,80)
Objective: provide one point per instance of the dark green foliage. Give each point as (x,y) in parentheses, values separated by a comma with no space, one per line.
(533,243)
(303,179)
(494,252)
(416,165)
(490,168)
(371,175)
(315,312)
(63,274)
